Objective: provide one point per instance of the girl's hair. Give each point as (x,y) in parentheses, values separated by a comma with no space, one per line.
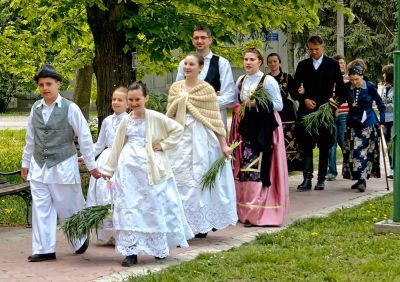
(275,55)
(388,70)
(254,51)
(122,89)
(200,58)
(339,57)
(138,85)
(357,62)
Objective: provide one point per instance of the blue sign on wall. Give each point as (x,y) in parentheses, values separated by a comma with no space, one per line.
(273,36)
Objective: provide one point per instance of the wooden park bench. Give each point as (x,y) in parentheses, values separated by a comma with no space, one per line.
(21,189)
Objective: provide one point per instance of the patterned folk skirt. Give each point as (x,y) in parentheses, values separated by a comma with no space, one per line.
(294,153)
(256,204)
(361,153)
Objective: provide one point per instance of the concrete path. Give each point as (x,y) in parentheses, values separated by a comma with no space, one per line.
(101,263)
(13,122)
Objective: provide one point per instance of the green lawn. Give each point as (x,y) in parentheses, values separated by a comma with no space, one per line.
(341,247)
(13,208)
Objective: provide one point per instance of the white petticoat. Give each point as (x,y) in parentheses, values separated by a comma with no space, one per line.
(197,150)
(147,218)
(99,194)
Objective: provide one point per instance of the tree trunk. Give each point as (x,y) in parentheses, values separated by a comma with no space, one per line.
(340,31)
(83,89)
(112,66)
(290,51)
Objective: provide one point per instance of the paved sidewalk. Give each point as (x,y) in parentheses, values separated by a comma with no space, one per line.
(13,122)
(101,263)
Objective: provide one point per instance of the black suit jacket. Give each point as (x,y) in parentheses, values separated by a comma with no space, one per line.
(318,84)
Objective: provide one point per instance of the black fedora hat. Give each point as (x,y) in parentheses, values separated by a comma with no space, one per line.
(47,71)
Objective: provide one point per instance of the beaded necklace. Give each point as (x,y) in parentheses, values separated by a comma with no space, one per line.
(356,94)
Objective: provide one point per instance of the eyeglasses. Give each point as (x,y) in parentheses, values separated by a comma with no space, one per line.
(200,37)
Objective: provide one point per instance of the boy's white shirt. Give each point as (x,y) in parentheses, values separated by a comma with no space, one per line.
(67,171)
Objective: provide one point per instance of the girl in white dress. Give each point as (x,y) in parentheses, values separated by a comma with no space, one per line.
(98,193)
(148,214)
(193,103)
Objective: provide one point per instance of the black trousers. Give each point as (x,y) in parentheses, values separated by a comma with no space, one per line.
(324,140)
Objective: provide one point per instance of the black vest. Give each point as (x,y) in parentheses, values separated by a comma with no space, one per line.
(213,76)
(258,128)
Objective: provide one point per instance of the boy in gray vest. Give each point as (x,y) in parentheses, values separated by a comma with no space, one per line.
(50,163)
(217,71)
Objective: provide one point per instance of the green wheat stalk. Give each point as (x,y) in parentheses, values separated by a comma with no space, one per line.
(323,117)
(262,98)
(80,224)
(208,180)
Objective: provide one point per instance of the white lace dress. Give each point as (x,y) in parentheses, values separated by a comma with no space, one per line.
(190,160)
(147,218)
(98,193)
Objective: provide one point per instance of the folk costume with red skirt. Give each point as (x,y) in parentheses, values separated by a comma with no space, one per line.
(260,166)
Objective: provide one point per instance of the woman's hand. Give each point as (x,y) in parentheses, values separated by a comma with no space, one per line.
(105,177)
(157,147)
(301,90)
(224,147)
(250,103)
(333,103)
(80,161)
(95,173)
(227,151)
(310,104)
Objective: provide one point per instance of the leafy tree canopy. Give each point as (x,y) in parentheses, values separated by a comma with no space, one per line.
(37,31)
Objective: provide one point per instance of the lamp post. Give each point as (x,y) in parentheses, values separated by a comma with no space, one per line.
(394,224)
(396,139)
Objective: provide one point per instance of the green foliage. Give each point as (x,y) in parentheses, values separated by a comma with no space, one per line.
(323,117)
(12,145)
(12,208)
(83,222)
(342,247)
(208,180)
(156,29)
(157,102)
(11,86)
(262,99)
(73,34)
(35,32)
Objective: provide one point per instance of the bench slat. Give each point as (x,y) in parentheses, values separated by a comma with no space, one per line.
(14,188)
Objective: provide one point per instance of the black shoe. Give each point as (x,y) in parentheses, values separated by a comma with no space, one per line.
(42,257)
(83,248)
(201,235)
(129,261)
(214,229)
(158,258)
(305,185)
(248,224)
(320,185)
(360,185)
